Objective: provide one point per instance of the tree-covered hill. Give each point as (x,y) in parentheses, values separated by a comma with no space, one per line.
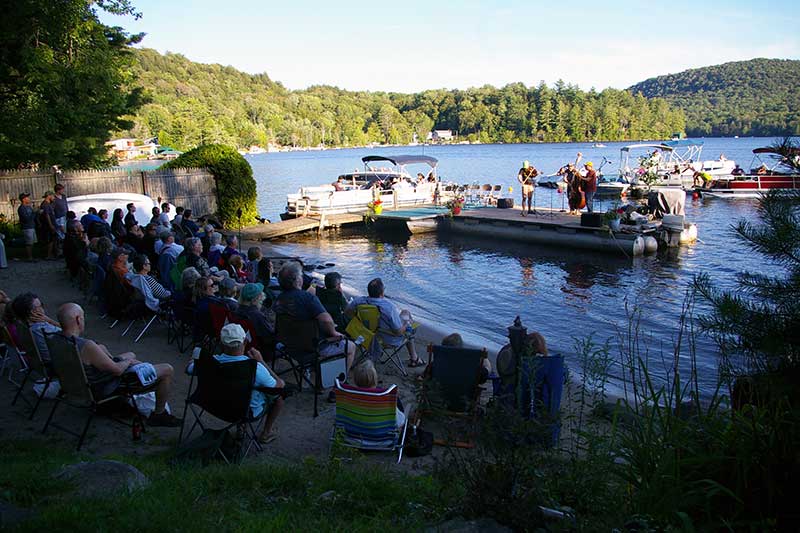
(193,103)
(756,97)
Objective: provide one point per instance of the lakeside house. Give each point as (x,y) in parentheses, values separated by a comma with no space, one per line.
(128,149)
(439,136)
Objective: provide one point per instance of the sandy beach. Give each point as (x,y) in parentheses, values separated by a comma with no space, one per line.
(300,434)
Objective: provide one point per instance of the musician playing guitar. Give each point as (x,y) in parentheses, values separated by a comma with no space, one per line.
(574,185)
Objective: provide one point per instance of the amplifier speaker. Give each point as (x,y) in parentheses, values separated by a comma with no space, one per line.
(592,220)
(505,203)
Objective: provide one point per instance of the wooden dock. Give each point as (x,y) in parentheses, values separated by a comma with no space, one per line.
(265,232)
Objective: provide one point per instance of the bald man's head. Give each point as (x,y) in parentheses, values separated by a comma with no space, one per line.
(68,315)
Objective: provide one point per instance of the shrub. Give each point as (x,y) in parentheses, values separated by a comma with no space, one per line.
(236,187)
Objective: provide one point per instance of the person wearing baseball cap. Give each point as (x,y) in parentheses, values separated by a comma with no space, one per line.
(233,339)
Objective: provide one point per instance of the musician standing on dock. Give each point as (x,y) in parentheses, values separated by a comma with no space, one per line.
(527,178)
(589,184)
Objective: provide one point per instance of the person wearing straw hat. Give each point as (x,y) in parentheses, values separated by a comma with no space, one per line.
(527,178)
(590,184)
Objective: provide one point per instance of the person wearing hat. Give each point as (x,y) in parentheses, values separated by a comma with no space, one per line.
(27,220)
(589,184)
(47,225)
(527,178)
(232,337)
(251,298)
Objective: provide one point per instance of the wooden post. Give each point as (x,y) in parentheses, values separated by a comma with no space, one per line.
(144,182)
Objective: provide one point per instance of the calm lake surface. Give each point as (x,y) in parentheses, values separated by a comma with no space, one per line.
(477,287)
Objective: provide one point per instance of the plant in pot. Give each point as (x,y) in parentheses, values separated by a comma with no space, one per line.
(611,218)
(455,205)
(375,206)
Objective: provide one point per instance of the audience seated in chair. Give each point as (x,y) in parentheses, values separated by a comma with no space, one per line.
(392,324)
(254,257)
(234,269)
(302,305)
(228,294)
(194,258)
(365,379)
(455,340)
(232,338)
(104,371)
(215,250)
(28,309)
(333,300)
(76,247)
(152,292)
(250,299)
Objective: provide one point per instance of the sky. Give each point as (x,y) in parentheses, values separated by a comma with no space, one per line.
(415,45)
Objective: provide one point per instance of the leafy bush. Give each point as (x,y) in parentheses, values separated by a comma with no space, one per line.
(236,187)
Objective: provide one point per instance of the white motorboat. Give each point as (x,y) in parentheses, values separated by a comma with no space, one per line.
(111,201)
(354,191)
(668,164)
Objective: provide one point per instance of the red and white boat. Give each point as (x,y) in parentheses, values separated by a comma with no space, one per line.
(761,178)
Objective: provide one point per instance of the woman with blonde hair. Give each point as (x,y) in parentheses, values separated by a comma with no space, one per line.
(365,378)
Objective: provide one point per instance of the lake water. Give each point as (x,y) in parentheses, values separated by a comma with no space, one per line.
(477,287)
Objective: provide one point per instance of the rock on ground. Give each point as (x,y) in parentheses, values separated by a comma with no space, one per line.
(102,478)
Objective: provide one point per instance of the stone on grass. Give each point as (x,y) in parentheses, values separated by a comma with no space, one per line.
(11,515)
(102,478)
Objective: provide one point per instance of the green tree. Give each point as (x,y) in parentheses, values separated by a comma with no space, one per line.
(236,188)
(65,82)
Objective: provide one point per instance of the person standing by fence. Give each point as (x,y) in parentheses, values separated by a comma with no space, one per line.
(60,209)
(27,220)
(47,224)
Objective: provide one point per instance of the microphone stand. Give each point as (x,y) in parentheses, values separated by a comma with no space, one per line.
(239,215)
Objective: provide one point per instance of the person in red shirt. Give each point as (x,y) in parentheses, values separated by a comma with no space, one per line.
(590,184)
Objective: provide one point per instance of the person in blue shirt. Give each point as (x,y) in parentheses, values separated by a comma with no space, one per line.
(232,338)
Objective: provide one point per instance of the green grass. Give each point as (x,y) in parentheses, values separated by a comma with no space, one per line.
(220,497)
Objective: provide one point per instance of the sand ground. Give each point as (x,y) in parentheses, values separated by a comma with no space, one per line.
(300,434)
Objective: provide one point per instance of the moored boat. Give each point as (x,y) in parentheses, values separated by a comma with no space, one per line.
(391,188)
(761,178)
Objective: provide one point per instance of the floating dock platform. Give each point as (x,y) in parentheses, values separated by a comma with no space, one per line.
(284,228)
(549,227)
(413,220)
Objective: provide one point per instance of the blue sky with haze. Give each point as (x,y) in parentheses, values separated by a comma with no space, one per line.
(414,45)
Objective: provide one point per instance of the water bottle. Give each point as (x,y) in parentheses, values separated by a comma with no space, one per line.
(409,330)
(359,340)
(136,428)
(196,353)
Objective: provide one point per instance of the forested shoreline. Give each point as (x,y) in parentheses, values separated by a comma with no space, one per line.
(760,97)
(193,103)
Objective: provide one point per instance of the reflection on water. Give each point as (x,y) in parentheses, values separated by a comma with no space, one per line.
(478,286)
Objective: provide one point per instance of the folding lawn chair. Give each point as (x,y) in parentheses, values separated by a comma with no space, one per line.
(223,391)
(370,317)
(75,388)
(298,344)
(454,378)
(34,366)
(367,420)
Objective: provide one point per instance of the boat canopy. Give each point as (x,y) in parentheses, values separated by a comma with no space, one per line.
(662,146)
(770,150)
(403,159)
(682,143)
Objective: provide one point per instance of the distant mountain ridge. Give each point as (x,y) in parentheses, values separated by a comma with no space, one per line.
(758,97)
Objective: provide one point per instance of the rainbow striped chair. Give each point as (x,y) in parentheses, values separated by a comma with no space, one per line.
(366,420)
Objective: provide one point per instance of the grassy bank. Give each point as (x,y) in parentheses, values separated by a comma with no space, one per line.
(255,496)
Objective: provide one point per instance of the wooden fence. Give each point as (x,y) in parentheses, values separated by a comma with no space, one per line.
(192,188)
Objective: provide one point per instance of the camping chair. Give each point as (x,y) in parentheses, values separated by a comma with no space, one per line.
(75,388)
(485,193)
(219,316)
(364,326)
(370,316)
(34,365)
(298,343)
(10,351)
(180,325)
(366,420)
(454,376)
(223,391)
